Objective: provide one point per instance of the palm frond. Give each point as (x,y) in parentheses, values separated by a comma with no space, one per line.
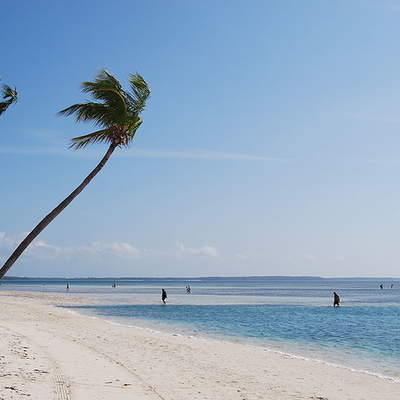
(97,112)
(107,89)
(3,106)
(103,80)
(134,128)
(91,138)
(9,95)
(140,92)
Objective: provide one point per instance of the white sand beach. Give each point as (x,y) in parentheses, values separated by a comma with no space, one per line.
(48,352)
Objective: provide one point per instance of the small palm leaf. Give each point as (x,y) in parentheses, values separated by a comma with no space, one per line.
(9,95)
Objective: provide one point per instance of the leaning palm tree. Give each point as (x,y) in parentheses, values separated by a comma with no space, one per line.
(117,113)
(9,95)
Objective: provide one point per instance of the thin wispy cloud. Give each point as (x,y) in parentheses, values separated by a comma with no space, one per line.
(34,150)
(369,117)
(382,4)
(40,249)
(209,155)
(390,4)
(138,153)
(208,251)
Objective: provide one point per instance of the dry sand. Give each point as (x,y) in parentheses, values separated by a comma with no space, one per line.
(48,352)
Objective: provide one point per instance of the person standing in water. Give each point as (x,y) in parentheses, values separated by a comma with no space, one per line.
(163,295)
(67,287)
(336,300)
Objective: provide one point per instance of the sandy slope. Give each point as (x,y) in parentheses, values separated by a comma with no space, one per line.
(51,353)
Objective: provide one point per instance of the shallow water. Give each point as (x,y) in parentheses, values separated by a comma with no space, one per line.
(293,315)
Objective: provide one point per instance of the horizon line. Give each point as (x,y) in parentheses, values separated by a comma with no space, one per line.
(204,277)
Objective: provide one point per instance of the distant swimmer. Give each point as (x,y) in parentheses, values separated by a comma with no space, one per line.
(391,286)
(163,295)
(381,286)
(336,300)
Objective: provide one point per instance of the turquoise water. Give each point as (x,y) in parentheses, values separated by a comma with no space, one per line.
(294,315)
(357,336)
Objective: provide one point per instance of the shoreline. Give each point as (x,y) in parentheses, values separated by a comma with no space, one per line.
(334,357)
(245,342)
(157,364)
(238,340)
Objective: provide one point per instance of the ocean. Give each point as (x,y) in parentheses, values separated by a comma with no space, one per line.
(293,315)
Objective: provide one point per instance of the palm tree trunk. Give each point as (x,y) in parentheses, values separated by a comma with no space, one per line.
(49,217)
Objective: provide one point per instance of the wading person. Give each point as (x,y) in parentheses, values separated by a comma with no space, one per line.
(336,300)
(163,295)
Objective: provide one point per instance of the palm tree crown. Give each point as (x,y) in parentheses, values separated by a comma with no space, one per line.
(9,95)
(117,112)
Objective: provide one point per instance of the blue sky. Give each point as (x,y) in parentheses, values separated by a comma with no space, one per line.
(270,144)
